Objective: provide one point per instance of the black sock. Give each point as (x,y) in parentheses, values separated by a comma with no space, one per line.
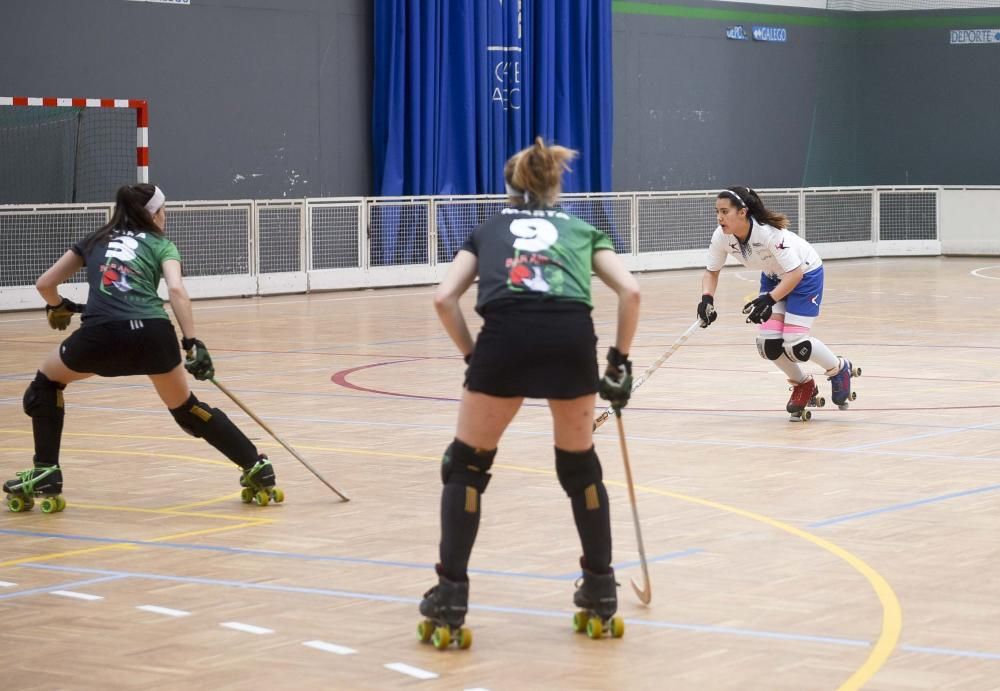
(460,509)
(593,523)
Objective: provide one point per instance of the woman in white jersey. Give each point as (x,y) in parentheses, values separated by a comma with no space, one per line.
(791,291)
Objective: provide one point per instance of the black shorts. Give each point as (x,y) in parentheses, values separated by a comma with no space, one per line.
(123,348)
(535,350)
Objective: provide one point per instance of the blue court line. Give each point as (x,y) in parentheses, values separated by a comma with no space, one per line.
(547,613)
(62,586)
(669,556)
(902,507)
(328,558)
(928,435)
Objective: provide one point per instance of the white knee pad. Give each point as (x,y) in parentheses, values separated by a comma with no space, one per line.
(798,348)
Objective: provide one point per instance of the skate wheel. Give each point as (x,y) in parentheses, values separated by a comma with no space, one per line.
(16,504)
(62,503)
(617,627)
(844,406)
(580,621)
(464,638)
(51,505)
(819,401)
(262,498)
(856,372)
(246,495)
(441,637)
(854,395)
(277,495)
(594,628)
(806,416)
(425,630)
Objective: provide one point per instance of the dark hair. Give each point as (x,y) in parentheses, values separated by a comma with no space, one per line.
(746,198)
(130,213)
(535,173)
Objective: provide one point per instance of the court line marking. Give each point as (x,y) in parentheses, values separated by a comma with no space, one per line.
(410,670)
(63,586)
(331,558)
(892,508)
(166,611)
(7,584)
(330,647)
(75,595)
(975,272)
(113,452)
(246,628)
(546,613)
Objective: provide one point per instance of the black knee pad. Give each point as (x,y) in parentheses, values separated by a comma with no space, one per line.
(577,470)
(464,465)
(43,398)
(770,348)
(194,417)
(799,351)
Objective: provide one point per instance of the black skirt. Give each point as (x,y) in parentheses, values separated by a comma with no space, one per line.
(535,350)
(123,348)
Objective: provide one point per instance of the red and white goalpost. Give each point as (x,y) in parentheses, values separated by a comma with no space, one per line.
(141,119)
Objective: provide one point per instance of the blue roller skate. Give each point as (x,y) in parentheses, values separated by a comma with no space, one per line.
(840,383)
(258,484)
(40,481)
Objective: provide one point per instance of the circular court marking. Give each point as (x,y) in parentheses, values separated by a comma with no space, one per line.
(978,273)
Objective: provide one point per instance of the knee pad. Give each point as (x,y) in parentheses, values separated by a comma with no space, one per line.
(770,348)
(798,349)
(577,470)
(194,417)
(464,465)
(43,398)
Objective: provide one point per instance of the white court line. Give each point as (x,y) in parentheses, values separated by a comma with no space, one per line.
(411,671)
(330,647)
(975,272)
(163,610)
(78,596)
(7,584)
(478,688)
(248,628)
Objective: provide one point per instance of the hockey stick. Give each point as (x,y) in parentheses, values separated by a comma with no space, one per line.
(641,379)
(278,439)
(645,594)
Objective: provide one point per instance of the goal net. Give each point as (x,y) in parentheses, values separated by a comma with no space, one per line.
(70,150)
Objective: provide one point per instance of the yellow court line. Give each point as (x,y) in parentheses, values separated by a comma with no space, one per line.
(111,452)
(176,511)
(70,553)
(181,507)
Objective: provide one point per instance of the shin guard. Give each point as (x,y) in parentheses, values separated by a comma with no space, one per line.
(43,403)
(214,426)
(580,475)
(464,472)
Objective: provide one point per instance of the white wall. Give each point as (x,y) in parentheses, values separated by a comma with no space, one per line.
(969,221)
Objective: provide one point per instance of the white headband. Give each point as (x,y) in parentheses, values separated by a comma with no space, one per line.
(733,194)
(156,201)
(514,192)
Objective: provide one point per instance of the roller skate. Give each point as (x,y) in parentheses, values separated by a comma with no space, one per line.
(597,597)
(40,481)
(840,383)
(804,394)
(258,484)
(444,607)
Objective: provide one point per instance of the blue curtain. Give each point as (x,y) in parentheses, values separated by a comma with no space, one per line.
(461,85)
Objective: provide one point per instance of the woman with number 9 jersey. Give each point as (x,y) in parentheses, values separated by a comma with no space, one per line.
(125,331)
(534,264)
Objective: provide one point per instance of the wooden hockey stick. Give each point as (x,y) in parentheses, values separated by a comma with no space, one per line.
(640,380)
(645,594)
(278,439)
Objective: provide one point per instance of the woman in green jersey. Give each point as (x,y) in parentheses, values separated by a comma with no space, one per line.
(534,264)
(126,331)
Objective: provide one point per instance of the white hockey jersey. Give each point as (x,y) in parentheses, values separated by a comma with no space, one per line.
(771,250)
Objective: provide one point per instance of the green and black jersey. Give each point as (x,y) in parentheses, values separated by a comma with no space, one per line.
(535,254)
(123,274)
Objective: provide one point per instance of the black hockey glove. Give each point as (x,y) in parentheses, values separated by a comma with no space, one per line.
(616,384)
(706,311)
(197,361)
(62,314)
(758,310)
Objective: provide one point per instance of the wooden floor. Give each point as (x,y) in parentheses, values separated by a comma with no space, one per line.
(859,549)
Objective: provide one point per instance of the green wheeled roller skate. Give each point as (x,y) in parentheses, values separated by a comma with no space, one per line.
(40,481)
(444,607)
(597,597)
(258,484)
